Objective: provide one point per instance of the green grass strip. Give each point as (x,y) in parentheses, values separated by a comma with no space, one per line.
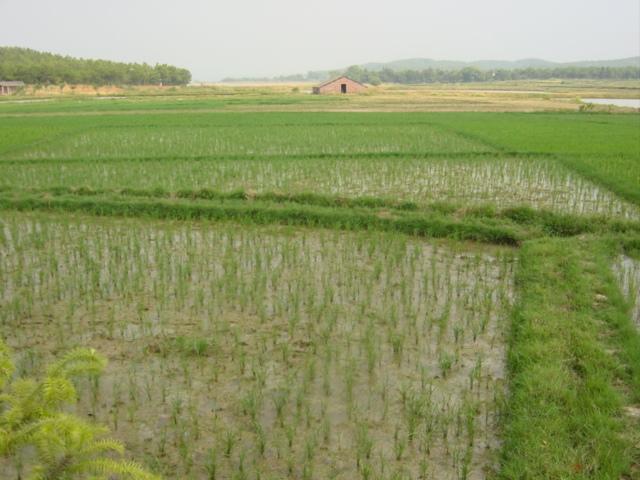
(556,224)
(484,223)
(530,222)
(433,225)
(415,154)
(574,363)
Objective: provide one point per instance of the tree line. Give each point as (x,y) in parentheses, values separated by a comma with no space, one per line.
(471,74)
(464,75)
(41,68)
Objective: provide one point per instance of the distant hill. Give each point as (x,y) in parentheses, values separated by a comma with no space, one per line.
(425,63)
(33,67)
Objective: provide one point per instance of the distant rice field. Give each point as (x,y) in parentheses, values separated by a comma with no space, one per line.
(347,156)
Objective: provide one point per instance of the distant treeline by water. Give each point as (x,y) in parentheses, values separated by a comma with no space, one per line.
(464,75)
(471,74)
(41,68)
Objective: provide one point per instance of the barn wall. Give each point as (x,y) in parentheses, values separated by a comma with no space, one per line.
(8,90)
(334,87)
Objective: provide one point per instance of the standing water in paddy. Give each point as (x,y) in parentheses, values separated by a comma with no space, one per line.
(288,350)
(618,102)
(627,272)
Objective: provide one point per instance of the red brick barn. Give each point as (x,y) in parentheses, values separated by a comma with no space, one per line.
(339,85)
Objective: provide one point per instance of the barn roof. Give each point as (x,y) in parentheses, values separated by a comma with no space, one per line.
(339,78)
(11,83)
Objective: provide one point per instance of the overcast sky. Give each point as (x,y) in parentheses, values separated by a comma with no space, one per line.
(215,39)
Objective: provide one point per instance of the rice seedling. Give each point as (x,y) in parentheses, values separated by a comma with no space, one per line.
(229,441)
(211,464)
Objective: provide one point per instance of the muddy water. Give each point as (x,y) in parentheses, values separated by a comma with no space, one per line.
(362,339)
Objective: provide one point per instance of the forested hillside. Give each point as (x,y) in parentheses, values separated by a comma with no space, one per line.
(33,67)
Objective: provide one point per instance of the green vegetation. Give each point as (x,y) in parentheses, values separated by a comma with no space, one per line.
(474,74)
(510,226)
(602,148)
(425,71)
(421,158)
(330,295)
(64,446)
(40,68)
(572,346)
(348,343)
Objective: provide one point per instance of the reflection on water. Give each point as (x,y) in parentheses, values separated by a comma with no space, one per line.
(627,271)
(618,102)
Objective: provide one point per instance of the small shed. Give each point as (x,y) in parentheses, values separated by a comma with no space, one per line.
(9,87)
(341,85)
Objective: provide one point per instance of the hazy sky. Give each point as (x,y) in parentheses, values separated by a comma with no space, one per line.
(216,38)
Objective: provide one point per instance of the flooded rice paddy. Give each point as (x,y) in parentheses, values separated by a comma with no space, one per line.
(499,181)
(288,353)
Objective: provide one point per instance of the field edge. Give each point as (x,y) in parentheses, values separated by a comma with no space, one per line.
(574,364)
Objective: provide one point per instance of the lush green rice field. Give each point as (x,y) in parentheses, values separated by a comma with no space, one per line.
(332,295)
(565,163)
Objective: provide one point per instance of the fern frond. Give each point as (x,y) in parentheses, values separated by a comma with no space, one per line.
(66,446)
(103,446)
(80,361)
(22,388)
(123,469)
(57,390)
(13,417)
(37,474)
(5,442)
(21,436)
(6,365)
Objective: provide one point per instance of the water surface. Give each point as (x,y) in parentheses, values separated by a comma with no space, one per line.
(618,102)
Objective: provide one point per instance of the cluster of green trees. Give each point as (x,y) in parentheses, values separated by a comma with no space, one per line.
(471,74)
(41,68)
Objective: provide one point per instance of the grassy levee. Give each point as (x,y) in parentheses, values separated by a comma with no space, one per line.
(631,246)
(430,225)
(574,360)
(482,223)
